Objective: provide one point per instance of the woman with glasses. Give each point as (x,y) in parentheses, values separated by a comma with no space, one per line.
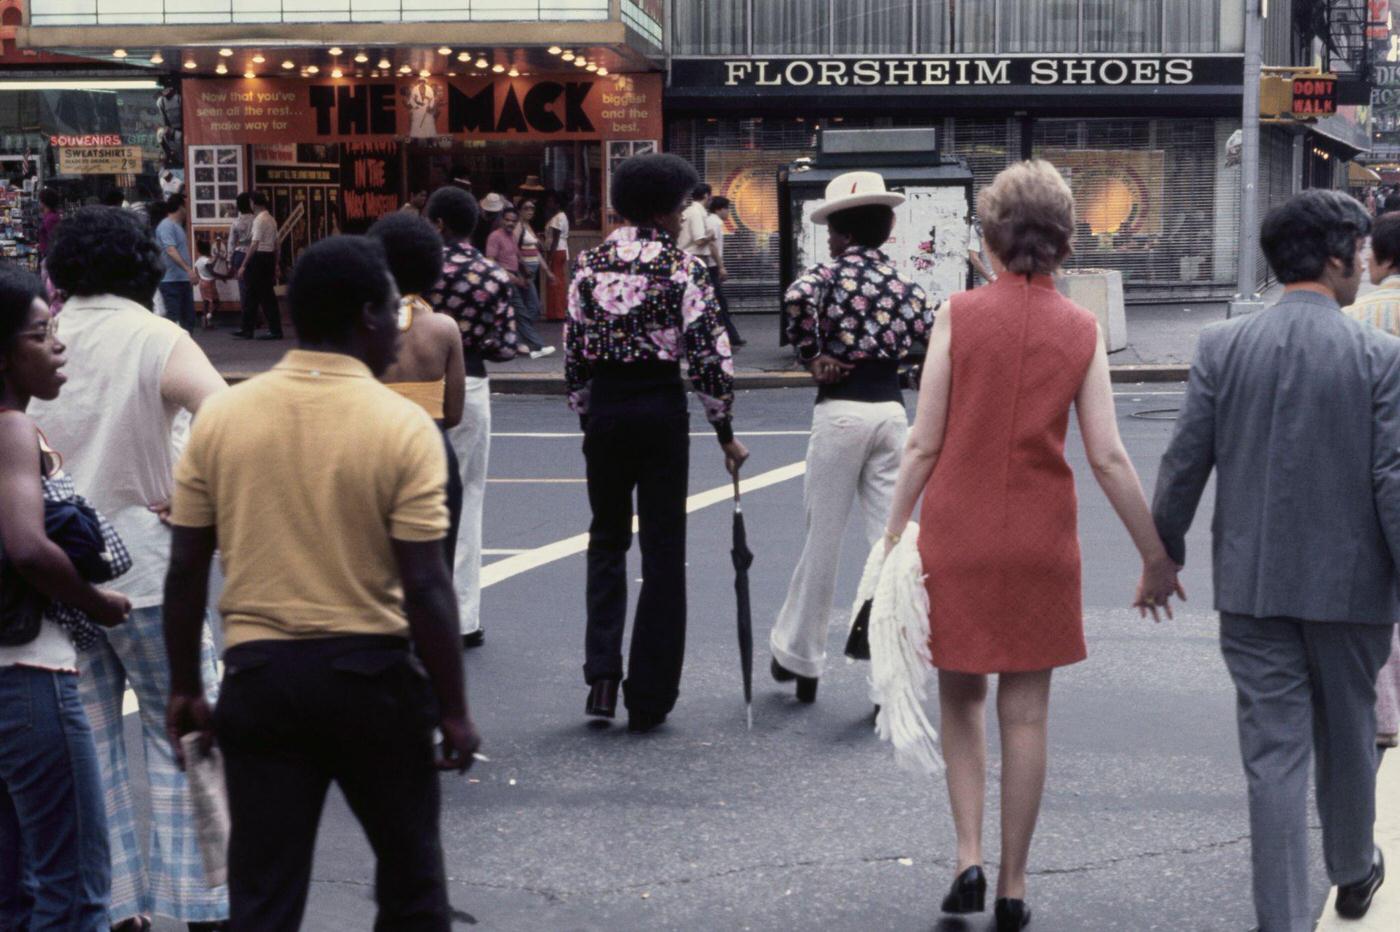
(54,867)
(430,370)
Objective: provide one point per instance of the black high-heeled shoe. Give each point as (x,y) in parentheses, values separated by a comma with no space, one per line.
(806,685)
(602,699)
(1012,915)
(968,893)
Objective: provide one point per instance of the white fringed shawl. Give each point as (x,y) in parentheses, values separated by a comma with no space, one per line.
(899,653)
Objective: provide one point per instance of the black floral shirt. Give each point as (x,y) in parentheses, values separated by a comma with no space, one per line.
(637,297)
(868,309)
(476,292)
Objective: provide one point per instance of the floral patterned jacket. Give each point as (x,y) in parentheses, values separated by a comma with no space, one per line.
(637,297)
(867,309)
(476,292)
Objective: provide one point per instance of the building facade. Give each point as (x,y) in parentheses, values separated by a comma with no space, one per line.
(1136,101)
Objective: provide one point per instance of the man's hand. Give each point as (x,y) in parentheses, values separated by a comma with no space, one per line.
(459,743)
(735,455)
(1158,584)
(113,609)
(194,277)
(723,274)
(239,274)
(161,511)
(827,369)
(184,714)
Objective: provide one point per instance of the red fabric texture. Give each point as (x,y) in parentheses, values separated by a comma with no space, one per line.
(999,531)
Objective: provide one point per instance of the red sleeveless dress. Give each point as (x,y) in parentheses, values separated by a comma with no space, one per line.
(998,531)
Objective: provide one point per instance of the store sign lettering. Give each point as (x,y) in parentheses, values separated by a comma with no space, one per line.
(937,72)
(363,110)
(95,139)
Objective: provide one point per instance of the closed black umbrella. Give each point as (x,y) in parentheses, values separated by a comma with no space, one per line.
(743,559)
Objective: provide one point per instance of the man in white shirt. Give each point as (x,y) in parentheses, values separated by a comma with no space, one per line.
(693,238)
(260,271)
(715,220)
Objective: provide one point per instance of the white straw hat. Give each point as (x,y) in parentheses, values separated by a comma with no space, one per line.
(855,189)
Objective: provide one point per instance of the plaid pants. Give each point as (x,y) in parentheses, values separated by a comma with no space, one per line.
(133,654)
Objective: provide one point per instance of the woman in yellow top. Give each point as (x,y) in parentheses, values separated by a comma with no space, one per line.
(429,370)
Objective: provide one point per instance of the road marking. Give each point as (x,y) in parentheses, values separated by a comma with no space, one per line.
(533,481)
(512,566)
(576,435)
(497,552)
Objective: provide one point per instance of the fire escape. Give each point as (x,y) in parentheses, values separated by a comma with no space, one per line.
(1340,28)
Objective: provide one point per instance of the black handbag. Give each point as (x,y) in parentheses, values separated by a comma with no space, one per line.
(21,607)
(858,642)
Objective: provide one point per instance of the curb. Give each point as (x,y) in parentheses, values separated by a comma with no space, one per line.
(552,383)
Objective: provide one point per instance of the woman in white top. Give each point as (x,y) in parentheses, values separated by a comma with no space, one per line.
(53,823)
(556,248)
(131,374)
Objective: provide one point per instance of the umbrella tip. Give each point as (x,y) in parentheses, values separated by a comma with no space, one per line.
(749,709)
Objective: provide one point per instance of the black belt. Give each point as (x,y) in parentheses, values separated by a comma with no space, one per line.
(874,380)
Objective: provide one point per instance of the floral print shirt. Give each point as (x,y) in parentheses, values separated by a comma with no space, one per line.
(476,292)
(867,310)
(636,298)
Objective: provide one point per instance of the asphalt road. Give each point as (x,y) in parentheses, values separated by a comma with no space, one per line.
(805,822)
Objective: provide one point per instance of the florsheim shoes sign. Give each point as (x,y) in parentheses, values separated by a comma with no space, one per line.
(828,74)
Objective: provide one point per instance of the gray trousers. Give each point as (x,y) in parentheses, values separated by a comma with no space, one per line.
(1305,690)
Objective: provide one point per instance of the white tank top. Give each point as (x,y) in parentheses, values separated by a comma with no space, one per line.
(113,429)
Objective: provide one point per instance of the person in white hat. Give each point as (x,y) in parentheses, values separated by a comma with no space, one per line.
(851,320)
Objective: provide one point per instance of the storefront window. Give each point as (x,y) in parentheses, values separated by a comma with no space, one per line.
(791,27)
(1122,25)
(573,170)
(874,27)
(709,27)
(974,25)
(933,27)
(1038,25)
(1194,25)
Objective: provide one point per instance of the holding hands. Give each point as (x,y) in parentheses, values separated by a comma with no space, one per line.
(1158,583)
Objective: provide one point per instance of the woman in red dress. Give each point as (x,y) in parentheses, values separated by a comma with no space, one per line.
(998,533)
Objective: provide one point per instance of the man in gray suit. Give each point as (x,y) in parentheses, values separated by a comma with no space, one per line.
(1298,410)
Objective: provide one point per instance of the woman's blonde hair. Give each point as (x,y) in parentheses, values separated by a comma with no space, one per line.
(1027,217)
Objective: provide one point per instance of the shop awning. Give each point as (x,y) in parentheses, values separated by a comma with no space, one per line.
(1358,174)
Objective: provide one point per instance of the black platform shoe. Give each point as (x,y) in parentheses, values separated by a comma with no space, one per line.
(1354,899)
(641,721)
(968,893)
(806,685)
(1012,915)
(602,699)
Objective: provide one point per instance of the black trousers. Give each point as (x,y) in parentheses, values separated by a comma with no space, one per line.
(260,293)
(454,500)
(718,285)
(292,717)
(639,444)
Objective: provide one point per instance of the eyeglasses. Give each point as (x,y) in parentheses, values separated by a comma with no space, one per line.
(49,331)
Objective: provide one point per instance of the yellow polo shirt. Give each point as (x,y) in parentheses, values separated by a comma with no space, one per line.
(307,472)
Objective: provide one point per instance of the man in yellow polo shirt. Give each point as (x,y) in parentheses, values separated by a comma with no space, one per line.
(325,493)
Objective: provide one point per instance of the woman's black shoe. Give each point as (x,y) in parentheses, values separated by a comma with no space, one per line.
(968,893)
(1012,915)
(639,721)
(806,685)
(602,699)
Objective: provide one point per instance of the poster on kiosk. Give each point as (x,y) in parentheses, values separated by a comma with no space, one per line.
(932,227)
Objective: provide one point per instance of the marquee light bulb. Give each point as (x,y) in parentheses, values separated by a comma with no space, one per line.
(602,72)
(362,58)
(591,67)
(498,68)
(336,51)
(221,68)
(118,53)
(514,72)
(312,69)
(337,73)
(444,50)
(424,73)
(482,63)
(464,56)
(384,64)
(580,62)
(567,56)
(555,50)
(226,53)
(190,65)
(249,74)
(157,58)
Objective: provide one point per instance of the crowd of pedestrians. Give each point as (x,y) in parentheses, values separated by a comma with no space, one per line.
(349,591)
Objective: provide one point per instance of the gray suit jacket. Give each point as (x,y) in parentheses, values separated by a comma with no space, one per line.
(1298,409)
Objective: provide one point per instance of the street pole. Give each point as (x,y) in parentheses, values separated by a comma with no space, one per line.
(1246,298)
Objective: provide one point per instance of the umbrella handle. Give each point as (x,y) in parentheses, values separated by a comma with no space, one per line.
(736,487)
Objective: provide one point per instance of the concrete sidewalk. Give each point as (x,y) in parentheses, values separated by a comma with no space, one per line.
(1161,340)
(1385,909)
